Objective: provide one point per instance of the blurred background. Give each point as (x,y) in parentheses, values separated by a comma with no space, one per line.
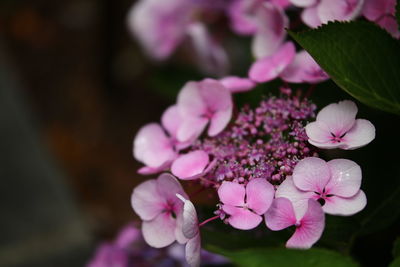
(74,89)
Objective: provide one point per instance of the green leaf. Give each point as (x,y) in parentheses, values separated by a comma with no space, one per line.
(396,248)
(395,263)
(360,57)
(281,257)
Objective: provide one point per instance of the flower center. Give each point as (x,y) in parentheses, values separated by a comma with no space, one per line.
(322,197)
(337,138)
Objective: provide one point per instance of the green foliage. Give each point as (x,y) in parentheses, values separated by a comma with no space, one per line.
(282,257)
(396,248)
(360,57)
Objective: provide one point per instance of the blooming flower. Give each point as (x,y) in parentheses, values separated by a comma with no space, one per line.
(246,204)
(309,224)
(200,103)
(156,204)
(336,127)
(335,184)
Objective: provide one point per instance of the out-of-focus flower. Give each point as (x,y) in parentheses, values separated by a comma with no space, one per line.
(303,69)
(382,12)
(188,166)
(319,12)
(246,204)
(242,16)
(156,204)
(200,103)
(309,223)
(237,84)
(335,184)
(336,126)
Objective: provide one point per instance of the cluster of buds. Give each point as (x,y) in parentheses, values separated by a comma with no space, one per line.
(262,163)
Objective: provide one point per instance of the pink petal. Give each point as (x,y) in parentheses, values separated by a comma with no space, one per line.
(299,198)
(280,215)
(242,17)
(146,201)
(159,26)
(269,68)
(190,225)
(373,9)
(311,174)
(345,178)
(311,227)
(179,236)
(191,128)
(190,102)
(168,186)
(310,17)
(171,120)
(320,136)
(361,134)
(236,84)
(271,21)
(232,193)
(303,3)
(152,147)
(219,121)
(337,118)
(190,164)
(389,23)
(259,195)
(211,56)
(159,232)
(281,3)
(304,69)
(193,251)
(345,206)
(127,236)
(341,10)
(241,218)
(149,170)
(215,95)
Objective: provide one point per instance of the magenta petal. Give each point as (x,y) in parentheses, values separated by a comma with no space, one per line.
(337,118)
(345,178)
(271,21)
(361,134)
(281,214)
(374,9)
(310,229)
(168,186)
(241,218)
(159,232)
(146,201)
(236,84)
(215,95)
(303,3)
(152,147)
(311,174)
(299,198)
(341,10)
(231,193)
(128,235)
(259,195)
(345,206)
(269,68)
(190,164)
(310,17)
(193,251)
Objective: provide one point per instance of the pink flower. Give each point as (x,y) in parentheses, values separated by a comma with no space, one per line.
(309,224)
(270,67)
(382,12)
(189,166)
(157,148)
(200,103)
(190,229)
(322,11)
(303,69)
(334,184)
(156,204)
(237,84)
(160,26)
(242,16)
(246,205)
(337,127)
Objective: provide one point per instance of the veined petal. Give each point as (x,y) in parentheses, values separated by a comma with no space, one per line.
(317,134)
(311,174)
(361,134)
(146,201)
(281,214)
(193,251)
(190,101)
(190,225)
(310,229)
(168,186)
(215,96)
(241,218)
(345,178)
(231,193)
(345,206)
(159,232)
(259,195)
(337,118)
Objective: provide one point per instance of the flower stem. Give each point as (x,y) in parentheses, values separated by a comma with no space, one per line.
(209,220)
